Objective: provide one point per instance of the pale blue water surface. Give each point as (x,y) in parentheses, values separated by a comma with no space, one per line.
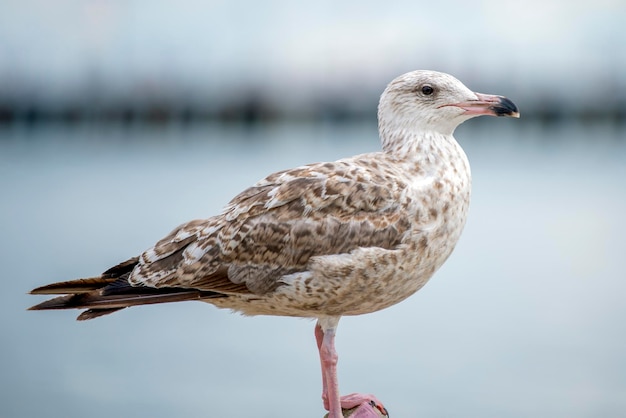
(525,319)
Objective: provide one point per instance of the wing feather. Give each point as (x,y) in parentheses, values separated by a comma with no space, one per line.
(274,227)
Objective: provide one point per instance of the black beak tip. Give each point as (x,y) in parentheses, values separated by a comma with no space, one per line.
(505,107)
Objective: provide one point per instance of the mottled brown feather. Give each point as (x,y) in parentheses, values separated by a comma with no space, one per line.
(276,226)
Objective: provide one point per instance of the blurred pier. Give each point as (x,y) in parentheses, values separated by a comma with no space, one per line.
(257,106)
(157,62)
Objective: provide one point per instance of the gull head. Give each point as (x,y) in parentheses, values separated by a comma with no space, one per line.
(433,102)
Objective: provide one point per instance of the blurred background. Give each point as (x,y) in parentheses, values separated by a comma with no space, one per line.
(154,61)
(121,119)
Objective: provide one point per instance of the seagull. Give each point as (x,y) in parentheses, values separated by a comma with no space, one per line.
(322,240)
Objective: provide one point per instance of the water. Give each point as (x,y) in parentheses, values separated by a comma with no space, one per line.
(525,319)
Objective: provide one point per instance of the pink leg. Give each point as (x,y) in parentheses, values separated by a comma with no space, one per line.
(369,406)
(319,338)
(328,358)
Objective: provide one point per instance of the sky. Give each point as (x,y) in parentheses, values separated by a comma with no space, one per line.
(299,51)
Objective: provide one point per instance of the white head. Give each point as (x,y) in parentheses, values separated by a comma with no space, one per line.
(433,102)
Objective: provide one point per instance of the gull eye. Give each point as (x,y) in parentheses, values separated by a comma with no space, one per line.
(427,90)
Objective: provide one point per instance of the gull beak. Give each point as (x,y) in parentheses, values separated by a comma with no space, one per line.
(487,104)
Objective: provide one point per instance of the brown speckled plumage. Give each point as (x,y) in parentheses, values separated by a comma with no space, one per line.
(323,240)
(328,239)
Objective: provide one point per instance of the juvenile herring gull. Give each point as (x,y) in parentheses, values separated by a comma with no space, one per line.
(322,240)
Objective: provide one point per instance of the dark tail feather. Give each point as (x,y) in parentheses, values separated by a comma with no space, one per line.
(88,284)
(94,313)
(73,286)
(111,292)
